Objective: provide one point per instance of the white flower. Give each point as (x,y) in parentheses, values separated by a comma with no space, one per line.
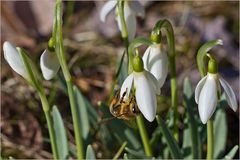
(146,88)
(156,61)
(131,10)
(206,95)
(49,64)
(14,59)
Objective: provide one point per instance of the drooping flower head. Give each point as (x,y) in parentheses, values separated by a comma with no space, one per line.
(145,86)
(131,10)
(156,60)
(49,63)
(208,90)
(13,58)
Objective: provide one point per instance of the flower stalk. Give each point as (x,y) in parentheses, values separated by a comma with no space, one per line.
(38,86)
(210,139)
(202,53)
(136,64)
(165,24)
(124,31)
(61,56)
(140,122)
(49,120)
(144,136)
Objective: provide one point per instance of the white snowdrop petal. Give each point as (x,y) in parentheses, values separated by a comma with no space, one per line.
(145,96)
(231,98)
(14,59)
(106,9)
(207,99)
(126,86)
(131,23)
(154,82)
(145,58)
(137,7)
(49,64)
(199,88)
(158,64)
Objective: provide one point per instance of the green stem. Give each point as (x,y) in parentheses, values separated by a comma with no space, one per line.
(67,76)
(49,124)
(201,57)
(144,136)
(124,31)
(29,66)
(172,64)
(210,140)
(140,122)
(77,130)
(119,152)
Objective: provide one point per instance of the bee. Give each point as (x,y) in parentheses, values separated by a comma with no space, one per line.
(124,109)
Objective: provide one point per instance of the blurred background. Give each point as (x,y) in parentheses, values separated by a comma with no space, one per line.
(93,50)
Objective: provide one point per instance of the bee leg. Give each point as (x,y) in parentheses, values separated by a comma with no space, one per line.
(117,94)
(124,94)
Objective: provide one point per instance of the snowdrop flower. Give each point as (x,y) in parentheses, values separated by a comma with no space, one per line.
(207,91)
(49,64)
(131,10)
(14,59)
(156,61)
(146,87)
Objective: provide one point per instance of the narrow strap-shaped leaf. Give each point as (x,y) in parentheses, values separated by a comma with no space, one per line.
(90,153)
(60,134)
(171,142)
(232,153)
(189,102)
(125,156)
(220,133)
(83,120)
(136,154)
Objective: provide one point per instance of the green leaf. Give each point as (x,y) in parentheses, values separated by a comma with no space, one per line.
(125,156)
(83,120)
(192,122)
(232,153)
(90,153)
(220,133)
(60,133)
(171,142)
(187,144)
(136,154)
(123,73)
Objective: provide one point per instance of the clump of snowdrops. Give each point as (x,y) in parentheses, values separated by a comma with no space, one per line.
(146,76)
